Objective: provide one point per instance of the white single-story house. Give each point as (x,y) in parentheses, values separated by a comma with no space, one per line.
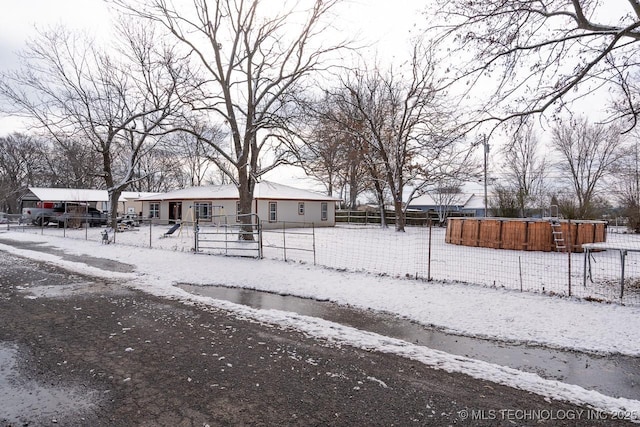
(127,203)
(275,205)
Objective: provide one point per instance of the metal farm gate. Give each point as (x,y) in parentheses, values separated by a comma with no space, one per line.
(226,235)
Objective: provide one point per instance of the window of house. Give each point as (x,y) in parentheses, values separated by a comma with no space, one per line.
(324,211)
(273,211)
(203,210)
(300,208)
(154,210)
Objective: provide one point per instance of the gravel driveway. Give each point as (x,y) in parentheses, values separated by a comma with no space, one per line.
(77,351)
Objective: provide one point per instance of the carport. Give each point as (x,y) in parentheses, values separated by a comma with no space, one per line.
(98,199)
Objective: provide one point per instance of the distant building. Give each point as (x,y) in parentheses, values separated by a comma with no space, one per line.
(459,204)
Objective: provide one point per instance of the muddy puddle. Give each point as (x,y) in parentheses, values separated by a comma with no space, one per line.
(617,376)
(20,396)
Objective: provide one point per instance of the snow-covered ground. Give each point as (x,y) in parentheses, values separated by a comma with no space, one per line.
(415,253)
(481,311)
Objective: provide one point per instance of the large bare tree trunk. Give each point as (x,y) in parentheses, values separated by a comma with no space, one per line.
(401,219)
(114,196)
(246,187)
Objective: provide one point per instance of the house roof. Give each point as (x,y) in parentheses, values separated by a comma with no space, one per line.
(264,190)
(464,201)
(475,202)
(426,199)
(81,195)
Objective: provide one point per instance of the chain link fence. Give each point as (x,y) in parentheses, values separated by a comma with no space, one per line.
(418,253)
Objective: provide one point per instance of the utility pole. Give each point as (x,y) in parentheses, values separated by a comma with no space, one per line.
(485,143)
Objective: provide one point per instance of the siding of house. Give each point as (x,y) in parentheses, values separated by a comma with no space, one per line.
(287,211)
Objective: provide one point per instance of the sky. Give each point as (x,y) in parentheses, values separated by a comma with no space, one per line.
(381,22)
(535,319)
(20,20)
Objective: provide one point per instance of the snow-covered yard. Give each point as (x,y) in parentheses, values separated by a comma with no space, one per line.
(418,253)
(481,311)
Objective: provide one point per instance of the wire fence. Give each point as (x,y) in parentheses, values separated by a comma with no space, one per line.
(418,253)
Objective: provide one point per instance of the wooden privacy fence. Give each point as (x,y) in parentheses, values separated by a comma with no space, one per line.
(373,217)
(522,234)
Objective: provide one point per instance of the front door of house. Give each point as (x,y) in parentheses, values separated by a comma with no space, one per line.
(175,211)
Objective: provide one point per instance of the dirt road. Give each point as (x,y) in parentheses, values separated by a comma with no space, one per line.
(76,351)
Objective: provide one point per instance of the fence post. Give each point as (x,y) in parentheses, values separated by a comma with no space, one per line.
(196,231)
(520,270)
(260,248)
(226,236)
(569,249)
(313,230)
(429,253)
(284,241)
(150,230)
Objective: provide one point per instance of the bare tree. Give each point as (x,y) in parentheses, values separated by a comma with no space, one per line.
(588,154)
(117,102)
(356,177)
(159,170)
(256,58)
(445,195)
(626,184)
(535,55)
(525,168)
(331,152)
(22,164)
(31,161)
(198,159)
(504,202)
(404,126)
(72,163)
(322,156)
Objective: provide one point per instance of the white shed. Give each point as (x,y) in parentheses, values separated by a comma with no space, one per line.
(275,204)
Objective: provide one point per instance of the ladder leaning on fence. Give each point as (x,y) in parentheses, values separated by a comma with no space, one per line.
(558,238)
(556,229)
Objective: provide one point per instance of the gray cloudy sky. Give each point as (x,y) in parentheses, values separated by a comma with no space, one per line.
(383,22)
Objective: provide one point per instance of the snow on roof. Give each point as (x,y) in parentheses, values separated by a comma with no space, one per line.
(475,202)
(453,200)
(82,195)
(134,195)
(263,190)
